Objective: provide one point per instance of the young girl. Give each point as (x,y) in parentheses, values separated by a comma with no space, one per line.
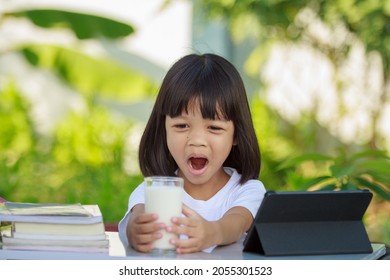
(201,130)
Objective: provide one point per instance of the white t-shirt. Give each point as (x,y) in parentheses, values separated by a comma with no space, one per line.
(248,195)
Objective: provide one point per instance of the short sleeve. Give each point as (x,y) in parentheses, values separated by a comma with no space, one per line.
(136,197)
(249,195)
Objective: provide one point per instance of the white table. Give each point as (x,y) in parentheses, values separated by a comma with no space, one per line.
(230,252)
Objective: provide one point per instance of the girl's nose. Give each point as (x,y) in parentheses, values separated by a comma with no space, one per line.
(196,138)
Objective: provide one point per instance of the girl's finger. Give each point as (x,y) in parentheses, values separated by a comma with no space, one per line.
(180,230)
(148,228)
(144,248)
(143,239)
(187,211)
(145,218)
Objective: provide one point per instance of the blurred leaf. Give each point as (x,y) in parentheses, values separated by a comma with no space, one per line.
(374,187)
(379,177)
(376,165)
(312,182)
(328,187)
(91,76)
(293,162)
(91,138)
(369,153)
(339,171)
(348,186)
(17,135)
(85,26)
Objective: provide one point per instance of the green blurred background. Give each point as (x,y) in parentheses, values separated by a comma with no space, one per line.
(74,100)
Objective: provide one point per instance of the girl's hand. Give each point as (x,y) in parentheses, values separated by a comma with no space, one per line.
(142,229)
(201,233)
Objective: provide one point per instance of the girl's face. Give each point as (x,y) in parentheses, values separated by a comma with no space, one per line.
(199,146)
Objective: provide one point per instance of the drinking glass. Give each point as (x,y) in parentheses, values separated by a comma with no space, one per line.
(163,196)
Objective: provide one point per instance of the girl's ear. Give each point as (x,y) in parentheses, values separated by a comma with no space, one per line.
(235,142)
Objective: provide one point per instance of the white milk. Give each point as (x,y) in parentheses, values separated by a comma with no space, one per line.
(166,202)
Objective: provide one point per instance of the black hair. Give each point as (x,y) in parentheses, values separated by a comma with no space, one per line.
(216,84)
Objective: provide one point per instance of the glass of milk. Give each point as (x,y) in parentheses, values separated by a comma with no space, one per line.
(163,196)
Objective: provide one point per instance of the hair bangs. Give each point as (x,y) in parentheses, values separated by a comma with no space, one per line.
(203,93)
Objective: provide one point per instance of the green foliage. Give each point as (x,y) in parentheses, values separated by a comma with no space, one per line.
(16,129)
(17,137)
(91,76)
(273,146)
(84,26)
(361,170)
(276,20)
(273,17)
(369,20)
(90,138)
(81,162)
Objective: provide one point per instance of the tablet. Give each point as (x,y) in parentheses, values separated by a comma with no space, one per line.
(310,223)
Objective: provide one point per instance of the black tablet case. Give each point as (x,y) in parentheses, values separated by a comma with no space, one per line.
(310,223)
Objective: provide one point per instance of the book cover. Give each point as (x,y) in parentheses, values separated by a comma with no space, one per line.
(50,213)
(46,209)
(58,236)
(74,249)
(50,242)
(58,229)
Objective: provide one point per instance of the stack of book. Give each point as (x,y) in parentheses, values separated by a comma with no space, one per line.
(53,227)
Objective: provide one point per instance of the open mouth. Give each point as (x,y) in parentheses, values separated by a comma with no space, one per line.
(198,163)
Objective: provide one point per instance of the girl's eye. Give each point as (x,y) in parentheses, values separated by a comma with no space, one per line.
(181,126)
(215,128)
